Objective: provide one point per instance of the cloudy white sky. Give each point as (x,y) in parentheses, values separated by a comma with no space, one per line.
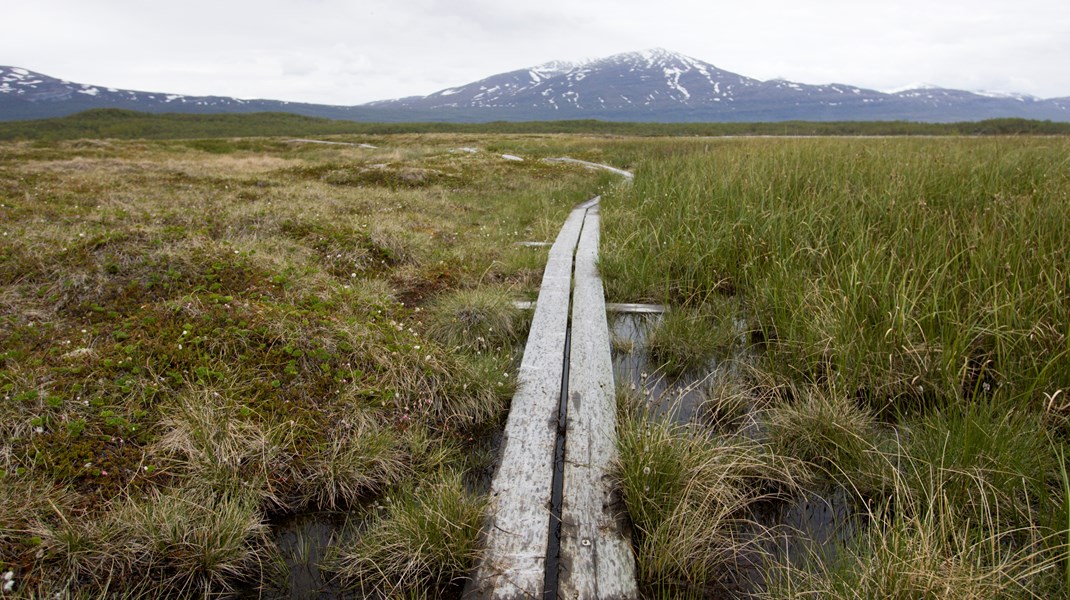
(353,51)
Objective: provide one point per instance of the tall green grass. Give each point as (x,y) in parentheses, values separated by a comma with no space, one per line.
(907,304)
(909,270)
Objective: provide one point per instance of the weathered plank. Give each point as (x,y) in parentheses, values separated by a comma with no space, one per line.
(514,562)
(328,143)
(596,556)
(593,165)
(637,309)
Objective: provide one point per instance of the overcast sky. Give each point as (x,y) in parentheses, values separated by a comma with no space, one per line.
(353,51)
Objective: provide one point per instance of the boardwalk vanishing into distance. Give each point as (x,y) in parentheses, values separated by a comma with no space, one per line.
(556,529)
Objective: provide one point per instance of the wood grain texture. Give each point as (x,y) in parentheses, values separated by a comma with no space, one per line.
(514,563)
(596,555)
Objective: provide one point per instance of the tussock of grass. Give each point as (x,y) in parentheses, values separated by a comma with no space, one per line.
(178,542)
(984,464)
(687,496)
(26,503)
(924,549)
(831,433)
(204,541)
(688,339)
(727,405)
(425,382)
(213,439)
(425,539)
(362,457)
(476,320)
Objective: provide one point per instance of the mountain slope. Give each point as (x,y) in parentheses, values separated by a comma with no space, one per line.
(645,81)
(25,94)
(662,85)
(653,85)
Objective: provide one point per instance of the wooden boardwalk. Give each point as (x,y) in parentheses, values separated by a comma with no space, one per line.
(595,559)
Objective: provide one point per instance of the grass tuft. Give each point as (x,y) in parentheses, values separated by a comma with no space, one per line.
(213,439)
(363,457)
(688,339)
(840,440)
(984,463)
(176,542)
(476,320)
(924,549)
(688,497)
(425,539)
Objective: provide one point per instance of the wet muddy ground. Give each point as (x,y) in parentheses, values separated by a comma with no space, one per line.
(815,524)
(303,540)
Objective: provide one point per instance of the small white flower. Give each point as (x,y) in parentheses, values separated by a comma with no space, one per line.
(9,575)
(39,429)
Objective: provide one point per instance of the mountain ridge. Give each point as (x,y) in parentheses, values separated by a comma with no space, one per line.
(648,85)
(659,84)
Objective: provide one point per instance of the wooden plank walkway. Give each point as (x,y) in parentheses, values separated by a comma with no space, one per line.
(595,554)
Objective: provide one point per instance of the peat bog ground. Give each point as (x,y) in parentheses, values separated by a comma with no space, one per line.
(257,367)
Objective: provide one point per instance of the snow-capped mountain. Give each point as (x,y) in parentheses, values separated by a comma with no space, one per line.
(653,85)
(660,85)
(646,81)
(25,94)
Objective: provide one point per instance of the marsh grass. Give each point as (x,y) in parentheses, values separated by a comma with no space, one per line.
(424,540)
(912,270)
(688,340)
(1064,518)
(988,464)
(923,548)
(479,320)
(841,442)
(904,302)
(730,405)
(359,459)
(183,542)
(216,441)
(688,496)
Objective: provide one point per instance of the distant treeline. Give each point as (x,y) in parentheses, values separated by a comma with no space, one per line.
(126,124)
